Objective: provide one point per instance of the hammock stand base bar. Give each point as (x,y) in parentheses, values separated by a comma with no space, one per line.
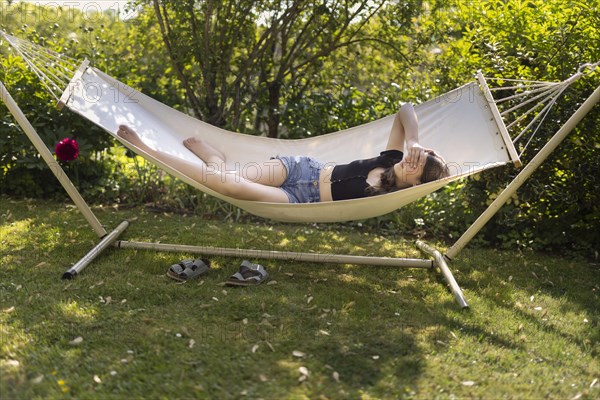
(280,255)
(95,252)
(438,259)
(440,262)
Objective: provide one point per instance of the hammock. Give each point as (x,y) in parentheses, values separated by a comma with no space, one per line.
(459,125)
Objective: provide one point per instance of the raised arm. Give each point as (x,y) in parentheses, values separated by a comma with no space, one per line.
(405,130)
(404,136)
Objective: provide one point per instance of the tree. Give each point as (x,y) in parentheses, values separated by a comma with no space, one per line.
(238,59)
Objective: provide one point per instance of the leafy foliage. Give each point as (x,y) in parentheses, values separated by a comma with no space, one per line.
(547,41)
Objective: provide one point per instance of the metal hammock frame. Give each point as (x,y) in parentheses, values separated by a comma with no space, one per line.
(56,72)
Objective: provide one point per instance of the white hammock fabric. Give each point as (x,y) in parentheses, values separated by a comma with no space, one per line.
(460,125)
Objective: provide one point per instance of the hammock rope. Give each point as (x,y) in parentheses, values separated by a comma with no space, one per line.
(539,96)
(53,69)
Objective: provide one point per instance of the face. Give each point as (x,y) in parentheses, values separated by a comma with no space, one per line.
(406,175)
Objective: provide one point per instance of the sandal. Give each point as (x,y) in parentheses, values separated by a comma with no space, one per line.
(249,274)
(188,269)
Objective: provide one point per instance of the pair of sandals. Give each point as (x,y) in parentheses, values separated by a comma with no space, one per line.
(249,274)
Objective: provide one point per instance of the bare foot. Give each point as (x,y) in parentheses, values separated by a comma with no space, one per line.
(129,134)
(204,151)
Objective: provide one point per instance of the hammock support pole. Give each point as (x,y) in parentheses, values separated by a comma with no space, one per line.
(525,173)
(50,161)
(66,183)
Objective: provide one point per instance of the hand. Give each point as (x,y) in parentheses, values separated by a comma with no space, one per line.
(416,155)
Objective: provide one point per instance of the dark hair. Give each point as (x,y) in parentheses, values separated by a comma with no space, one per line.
(435,168)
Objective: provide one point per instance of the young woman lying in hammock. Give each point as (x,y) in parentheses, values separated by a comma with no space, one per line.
(298,179)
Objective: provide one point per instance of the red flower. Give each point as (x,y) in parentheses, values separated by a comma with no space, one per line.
(67,149)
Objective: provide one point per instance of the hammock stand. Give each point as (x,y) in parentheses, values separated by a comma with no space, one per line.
(51,72)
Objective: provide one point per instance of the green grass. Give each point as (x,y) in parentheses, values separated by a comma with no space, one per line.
(361,332)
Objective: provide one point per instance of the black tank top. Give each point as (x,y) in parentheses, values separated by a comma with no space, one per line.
(349,181)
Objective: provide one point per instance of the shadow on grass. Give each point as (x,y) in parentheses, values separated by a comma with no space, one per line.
(540,296)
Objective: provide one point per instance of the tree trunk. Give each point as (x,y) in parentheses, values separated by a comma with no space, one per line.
(273,117)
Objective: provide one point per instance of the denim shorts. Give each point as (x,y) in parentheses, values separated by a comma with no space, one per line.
(302,182)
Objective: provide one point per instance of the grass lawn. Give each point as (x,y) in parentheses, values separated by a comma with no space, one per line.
(121,329)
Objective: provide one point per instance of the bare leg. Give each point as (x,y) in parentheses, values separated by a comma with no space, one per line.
(270,173)
(205,151)
(228,184)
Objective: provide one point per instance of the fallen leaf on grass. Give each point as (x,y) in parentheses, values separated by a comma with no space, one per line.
(303,374)
(191,343)
(96,284)
(270,346)
(299,354)
(336,376)
(9,310)
(76,341)
(346,307)
(255,348)
(467,383)
(97,379)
